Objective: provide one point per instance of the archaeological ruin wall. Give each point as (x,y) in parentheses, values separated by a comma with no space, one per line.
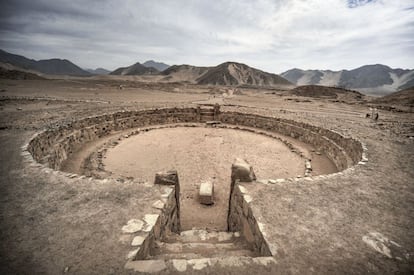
(53,146)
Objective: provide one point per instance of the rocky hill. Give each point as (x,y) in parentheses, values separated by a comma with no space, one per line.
(18,75)
(371,79)
(184,73)
(48,66)
(157,65)
(232,73)
(404,97)
(317,91)
(136,69)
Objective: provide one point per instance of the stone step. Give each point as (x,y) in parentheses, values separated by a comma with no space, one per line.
(200,243)
(168,248)
(205,254)
(217,265)
(201,236)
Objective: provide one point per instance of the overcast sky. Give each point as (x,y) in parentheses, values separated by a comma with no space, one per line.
(271,35)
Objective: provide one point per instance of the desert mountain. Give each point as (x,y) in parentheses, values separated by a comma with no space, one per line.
(232,73)
(99,71)
(371,79)
(187,73)
(48,66)
(136,69)
(157,65)
(228,73)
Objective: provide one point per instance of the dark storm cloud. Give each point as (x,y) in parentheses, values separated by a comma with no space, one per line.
(274,35)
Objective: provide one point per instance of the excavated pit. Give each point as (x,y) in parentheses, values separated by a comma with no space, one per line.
(134,145)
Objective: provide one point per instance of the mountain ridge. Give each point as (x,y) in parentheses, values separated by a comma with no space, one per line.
(376,79)
(98,71)
(135,69)
(156,65)
(54,66)
(227,73)
(234,73)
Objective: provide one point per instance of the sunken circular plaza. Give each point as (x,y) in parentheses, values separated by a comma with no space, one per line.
(54,147)
(189,149)
(200,143)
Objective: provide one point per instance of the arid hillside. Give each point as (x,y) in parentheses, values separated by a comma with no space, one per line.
(232,73)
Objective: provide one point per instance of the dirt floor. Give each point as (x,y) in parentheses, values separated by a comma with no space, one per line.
(200,154)
(359,221)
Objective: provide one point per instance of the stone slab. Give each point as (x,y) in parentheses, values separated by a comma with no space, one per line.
(137,241)
(180,265)
(158,204)
(147,266)
(132,226)
(151,219)
(206,193)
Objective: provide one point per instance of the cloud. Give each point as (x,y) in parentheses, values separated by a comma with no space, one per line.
(271,35)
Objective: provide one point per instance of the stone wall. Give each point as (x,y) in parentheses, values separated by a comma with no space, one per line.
(344,152)
(166,221)
(53,146)
(242,219)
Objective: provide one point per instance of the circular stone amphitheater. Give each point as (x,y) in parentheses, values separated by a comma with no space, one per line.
(196,146)
(190,187)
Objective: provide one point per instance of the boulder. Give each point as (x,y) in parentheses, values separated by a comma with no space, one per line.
(241,170)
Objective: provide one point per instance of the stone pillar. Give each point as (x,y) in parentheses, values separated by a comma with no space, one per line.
(171,178)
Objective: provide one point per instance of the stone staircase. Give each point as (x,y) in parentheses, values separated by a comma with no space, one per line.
(197,244)
(208,252)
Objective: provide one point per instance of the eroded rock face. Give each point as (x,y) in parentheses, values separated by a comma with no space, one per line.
(241,170)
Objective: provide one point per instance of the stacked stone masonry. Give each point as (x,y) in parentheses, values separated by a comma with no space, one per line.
(167,221)
(53,146)
(241,218)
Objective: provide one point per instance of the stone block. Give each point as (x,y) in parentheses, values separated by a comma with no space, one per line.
(206,193)
(166,178)
(242,170)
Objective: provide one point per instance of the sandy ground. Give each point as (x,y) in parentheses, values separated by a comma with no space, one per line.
(200,154)
(49,223)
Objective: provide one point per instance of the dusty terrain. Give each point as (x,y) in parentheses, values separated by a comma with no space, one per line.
(51,225)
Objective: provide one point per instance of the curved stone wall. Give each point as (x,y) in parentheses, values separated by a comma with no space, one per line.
(53,146)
